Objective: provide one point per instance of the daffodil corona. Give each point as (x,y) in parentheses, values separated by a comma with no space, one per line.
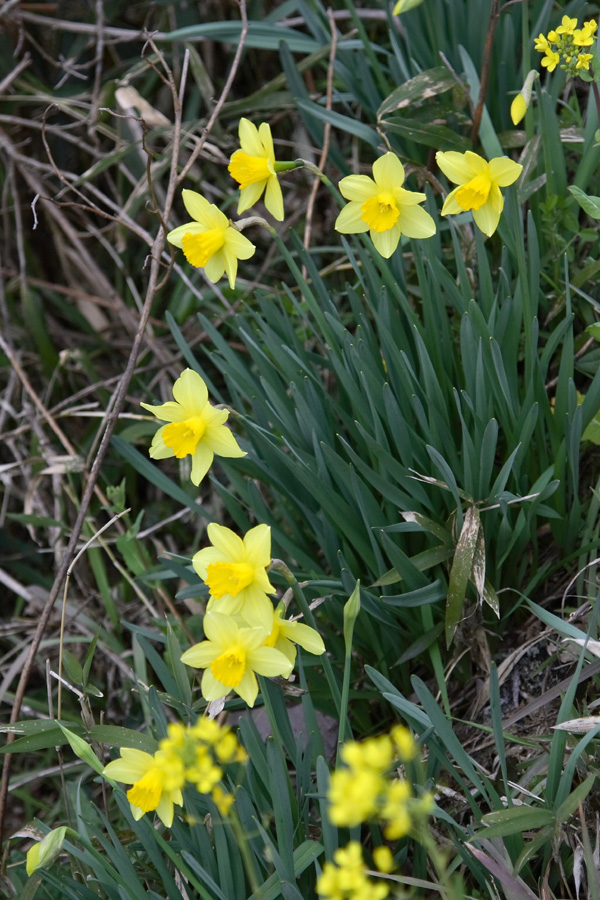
(381,206)
(479,184)
(195,428)
(235,570)
(255,169)
(232,656)
(210,242)
(284,634)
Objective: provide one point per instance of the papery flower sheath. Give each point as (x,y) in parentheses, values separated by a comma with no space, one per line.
(210,242)
(195,427)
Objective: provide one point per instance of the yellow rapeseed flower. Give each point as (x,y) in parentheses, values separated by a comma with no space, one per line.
(195,428)
(231,656)
(584,60)
(210,242)
(567,26)
(235,571)
(585,36)
(148,777)
(479,184)
(551,59)
(354,795)
(381,206)
(346,877)
(254,168)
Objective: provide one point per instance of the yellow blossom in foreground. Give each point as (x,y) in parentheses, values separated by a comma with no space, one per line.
(195,428)
(231,656)
(254,168)
(235,571)
(346,878)
(381,206)
(210,242)
(149,791)
(284,634)
(354,795)
(479,184)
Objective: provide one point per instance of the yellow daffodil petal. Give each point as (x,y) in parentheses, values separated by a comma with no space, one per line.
(388,170)
(190,391)
(200,655)
(226,541)
(257,546)
(274,198)
(486,219)
(195,204)
(386,242)
(350,220)
(201,462)
(249,136)
(415,222)
(357,188)
(454,165)
(504,171)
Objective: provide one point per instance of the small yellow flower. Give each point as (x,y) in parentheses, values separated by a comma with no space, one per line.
(381,206)
(346,877)
(235,571)
(585,36)
(222,800)
(195,428)
(567,26)
(149,791)
(479,184)
(383,859)
(210,242)
(551,59)
(584,60)
(231,656)
(541,43)
(254,168)
(284,634)
(395,810)
(354,795)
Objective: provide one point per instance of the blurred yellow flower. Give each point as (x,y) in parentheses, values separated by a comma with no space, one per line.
(585,36)
(381,206)
(210,242)
(346,877)
(195,428)
(567,26)
(149,791)
(551,59)
(231,656)
(479,184)
(254,168)
(235,571)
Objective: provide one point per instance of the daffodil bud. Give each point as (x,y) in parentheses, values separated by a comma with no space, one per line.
(520,104)
(45,851)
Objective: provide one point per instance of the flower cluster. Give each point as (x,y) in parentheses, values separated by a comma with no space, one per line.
(379,205)
(361,790)
(245,635)
(346,877)
(188,755)
(567,46)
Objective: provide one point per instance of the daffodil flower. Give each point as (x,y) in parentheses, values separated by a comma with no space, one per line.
(381,206)
(150,790)
(284,634)
(210,242)
(195,427)
(479,184)
(232,656)
(235,571)
(255,169)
